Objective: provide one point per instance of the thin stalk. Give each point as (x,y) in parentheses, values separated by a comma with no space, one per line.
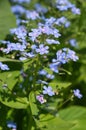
(30,120)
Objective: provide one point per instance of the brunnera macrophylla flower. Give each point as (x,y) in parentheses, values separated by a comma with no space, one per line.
(42,49)
(11,125)
(77,93)
(48,90)
(3,66)
(62,57)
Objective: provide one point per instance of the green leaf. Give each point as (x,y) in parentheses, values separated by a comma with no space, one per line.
(72,118)
(18,103)
(33,104)
(73,113)
(58,84)
(9,78)
(7,19)
(3,59)
(49,122)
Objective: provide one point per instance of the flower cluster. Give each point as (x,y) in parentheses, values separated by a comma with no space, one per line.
(40,43)
(64,5)
(47,90)
(62,57)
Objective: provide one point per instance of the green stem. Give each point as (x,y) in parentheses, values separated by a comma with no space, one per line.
(36,67)
(30,120)
(64,102)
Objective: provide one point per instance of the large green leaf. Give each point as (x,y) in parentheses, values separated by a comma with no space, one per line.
(59,84)
(18,103)
(10,77)
(75,115)
(7,19)
(3,59)
(49,122)
(72,118)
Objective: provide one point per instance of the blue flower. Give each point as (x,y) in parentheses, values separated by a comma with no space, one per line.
(22,58)
(60,21)
(52,41)
(40,8)
(42,49)
(3,66)
(71,55)
(21,1)
(34,34)
(14,47)
(64,5)
(50,21)
(50,76)
(20,32)
(18,9)
(54,67)
(42,72)
(11,125)
(77,93)
(33,15)
(42,82)
(73,42)
(48,90)
(75,10)
(63,56)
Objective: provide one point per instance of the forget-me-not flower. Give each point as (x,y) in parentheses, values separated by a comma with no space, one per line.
(3,66)
(77,93)
(42,49)
(48,90)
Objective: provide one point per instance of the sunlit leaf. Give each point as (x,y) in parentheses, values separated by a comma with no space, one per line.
(7,19)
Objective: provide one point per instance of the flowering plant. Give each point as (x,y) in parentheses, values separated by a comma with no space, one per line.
(35,55)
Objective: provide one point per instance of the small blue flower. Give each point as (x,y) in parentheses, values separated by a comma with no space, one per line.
(11,125)
(14,47)
(76,10)
(21,1)
(20,32)
(42,49)
(33,15)
(54,67)
(52,41)
(3,66)
(42,72)
(64,5)
(40,8)
(22,58)
(34,34)
(50,76)
(18,9)
(73,42)
(48,90)
(42,82)
(50,21)
(77,93)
